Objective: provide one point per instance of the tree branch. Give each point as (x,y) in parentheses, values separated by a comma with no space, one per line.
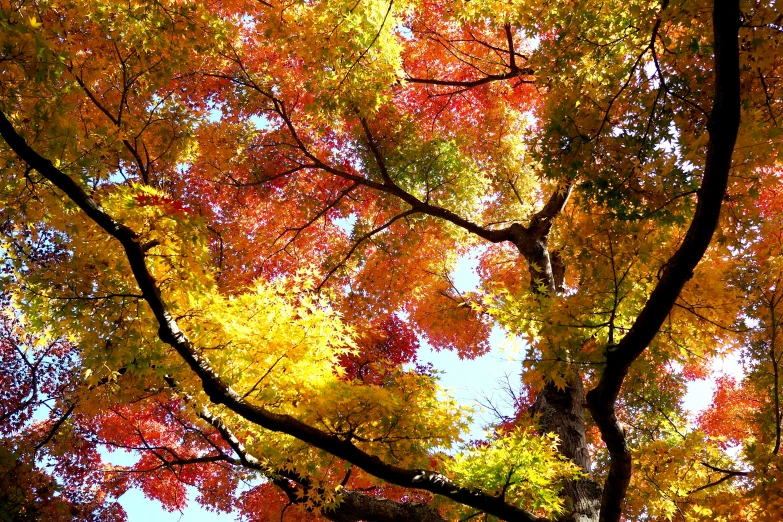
(55,427)
(354,505)
(220,392)
(513,73)
(723,126)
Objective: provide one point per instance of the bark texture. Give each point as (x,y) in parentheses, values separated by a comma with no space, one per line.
(357,506)
(562,412)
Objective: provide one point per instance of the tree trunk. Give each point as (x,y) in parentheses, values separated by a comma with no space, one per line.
(562,412)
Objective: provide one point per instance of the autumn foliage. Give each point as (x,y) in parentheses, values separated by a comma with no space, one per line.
(229,231)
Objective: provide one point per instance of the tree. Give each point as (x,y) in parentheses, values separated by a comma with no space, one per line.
(228,226)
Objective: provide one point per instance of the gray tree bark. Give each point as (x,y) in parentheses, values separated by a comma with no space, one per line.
(562,412)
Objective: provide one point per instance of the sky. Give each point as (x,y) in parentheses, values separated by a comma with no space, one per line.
(469,381)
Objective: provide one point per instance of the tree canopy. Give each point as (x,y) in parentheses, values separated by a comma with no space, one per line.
(228,228)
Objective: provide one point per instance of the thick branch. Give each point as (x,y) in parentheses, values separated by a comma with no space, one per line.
(532,242)
(221,393)
(515,72)
(723,126)
(354,506)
